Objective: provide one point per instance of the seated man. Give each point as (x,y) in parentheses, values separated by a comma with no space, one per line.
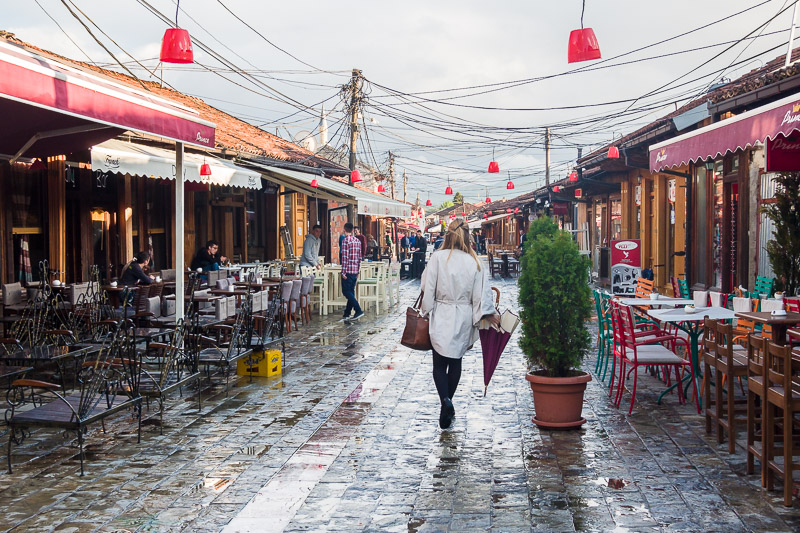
(208,258)
(133,272)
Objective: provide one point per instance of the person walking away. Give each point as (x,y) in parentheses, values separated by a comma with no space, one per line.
(310,257)
(351,262)
(133,272)
(456,296)
(420,248)
(362,239)
(208,258)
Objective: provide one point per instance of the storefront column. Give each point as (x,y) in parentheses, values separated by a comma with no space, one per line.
(56,204)
(179,229)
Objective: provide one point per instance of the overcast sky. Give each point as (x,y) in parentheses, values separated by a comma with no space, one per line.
(422,46)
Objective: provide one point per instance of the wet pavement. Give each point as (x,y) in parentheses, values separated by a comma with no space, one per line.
(348,440)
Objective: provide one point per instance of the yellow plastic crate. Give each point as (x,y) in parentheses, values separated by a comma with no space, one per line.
(261,363)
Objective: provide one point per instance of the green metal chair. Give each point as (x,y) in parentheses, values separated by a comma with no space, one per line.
(764,286)
(604,333)
(684,286)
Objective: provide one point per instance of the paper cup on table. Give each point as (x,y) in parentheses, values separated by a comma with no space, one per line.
(689,309)
(113,283)
(56,283)
(779,312)
(654,296)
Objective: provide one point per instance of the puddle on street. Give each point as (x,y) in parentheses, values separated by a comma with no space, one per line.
(415,524)
(612,482)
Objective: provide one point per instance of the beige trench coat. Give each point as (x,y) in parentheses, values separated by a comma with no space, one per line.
(457,296)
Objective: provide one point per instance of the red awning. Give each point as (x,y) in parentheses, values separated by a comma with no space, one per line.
(779,118)
(49,107)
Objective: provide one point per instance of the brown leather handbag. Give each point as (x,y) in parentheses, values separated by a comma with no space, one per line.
(415,334)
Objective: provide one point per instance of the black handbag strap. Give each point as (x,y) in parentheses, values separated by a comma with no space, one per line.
(418,303)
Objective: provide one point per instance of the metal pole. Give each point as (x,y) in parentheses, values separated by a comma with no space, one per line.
(791,35)
(391,172)
(355,104)
(547,157)
(405,185)
(179,232)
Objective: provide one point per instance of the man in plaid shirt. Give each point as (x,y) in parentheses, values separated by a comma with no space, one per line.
(351,261)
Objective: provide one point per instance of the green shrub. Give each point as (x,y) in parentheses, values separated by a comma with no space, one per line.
(784,248)
(555,300)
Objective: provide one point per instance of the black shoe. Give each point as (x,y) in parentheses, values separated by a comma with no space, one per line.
(446,414)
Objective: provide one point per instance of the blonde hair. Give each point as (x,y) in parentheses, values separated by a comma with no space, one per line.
(458,238)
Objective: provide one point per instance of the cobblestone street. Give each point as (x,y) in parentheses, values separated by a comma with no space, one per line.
(348,440)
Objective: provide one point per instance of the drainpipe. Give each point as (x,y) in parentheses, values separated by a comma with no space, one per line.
(687,260)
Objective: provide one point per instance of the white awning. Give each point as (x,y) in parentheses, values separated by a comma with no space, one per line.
(475,224)
(367,203)
(121,157)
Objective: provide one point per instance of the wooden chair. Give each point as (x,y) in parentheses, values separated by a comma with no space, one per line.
(495,265)
(230,344)
(305,298)
(644,287)
(782,396)
(676,287)
(107,385)
(728,361)
(756,347)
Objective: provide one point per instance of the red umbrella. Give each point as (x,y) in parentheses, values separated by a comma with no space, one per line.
(493,342)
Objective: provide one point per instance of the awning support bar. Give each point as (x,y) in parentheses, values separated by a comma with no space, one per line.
(56,133)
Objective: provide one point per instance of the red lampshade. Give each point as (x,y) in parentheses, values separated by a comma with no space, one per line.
(448,190)
(510,185)
(486,217)
(516,210)
(381,188)
(582,46)
(37,165)
(463,214)
(490,213)
(556,189)
(578,193)
(176,46)
(419,213)
(613,153)
(494,167)
(488,200)
(428,203)
(573,176)
(508,210)
(314,183)
(355,176)
(205,169)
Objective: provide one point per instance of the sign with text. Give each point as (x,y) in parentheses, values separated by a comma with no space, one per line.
(783,153)
(626,265)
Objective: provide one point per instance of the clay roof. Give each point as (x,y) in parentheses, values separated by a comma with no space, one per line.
(232,133)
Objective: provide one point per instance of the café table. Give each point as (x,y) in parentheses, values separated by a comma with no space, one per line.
(114,291)
(780,323)
(649,302)
(225,293)
(264,285)
(151,334)
(692,325)
(49,354)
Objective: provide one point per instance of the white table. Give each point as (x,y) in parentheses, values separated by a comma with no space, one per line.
(692,324)
(647,302)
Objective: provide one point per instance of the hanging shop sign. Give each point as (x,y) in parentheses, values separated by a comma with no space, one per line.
(626,266)
(671,191)
(638,195)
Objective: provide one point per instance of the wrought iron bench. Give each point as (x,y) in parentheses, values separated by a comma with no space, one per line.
(107,385)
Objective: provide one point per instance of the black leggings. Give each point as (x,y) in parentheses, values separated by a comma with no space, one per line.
(446,375)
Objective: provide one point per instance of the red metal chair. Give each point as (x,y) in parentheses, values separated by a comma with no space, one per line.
(651,351)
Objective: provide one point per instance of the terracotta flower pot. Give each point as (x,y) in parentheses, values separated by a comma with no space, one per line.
(558,401)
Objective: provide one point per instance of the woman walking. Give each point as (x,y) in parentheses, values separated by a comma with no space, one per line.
(457,296)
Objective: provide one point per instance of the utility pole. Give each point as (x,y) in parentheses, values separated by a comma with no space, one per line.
(391,172)
(355,104)
(405,185)
(547,157)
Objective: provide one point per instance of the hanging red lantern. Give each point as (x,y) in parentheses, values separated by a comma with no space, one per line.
(488,200)
(449,189)
(355,176)
(510,185)
(573,176)
(490,213)
(613,153)
(556,189)
(508,210)
(486,217)
(516,210)
(494,168)
(582,43)
(315,183)
(419,213)
(381,188)
(428,203)
(582,46)
(176,46)
(463,214)
(578,193)
(205,169)
(37,165)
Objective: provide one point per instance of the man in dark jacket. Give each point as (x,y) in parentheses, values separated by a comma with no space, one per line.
(209,258)
(133,272)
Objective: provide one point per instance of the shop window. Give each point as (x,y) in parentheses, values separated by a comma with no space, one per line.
(717,229)
(27,226)
(616,219)
(700,225)
(158,212)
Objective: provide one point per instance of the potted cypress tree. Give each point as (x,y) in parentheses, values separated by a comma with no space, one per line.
(784,248)
(555,302)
